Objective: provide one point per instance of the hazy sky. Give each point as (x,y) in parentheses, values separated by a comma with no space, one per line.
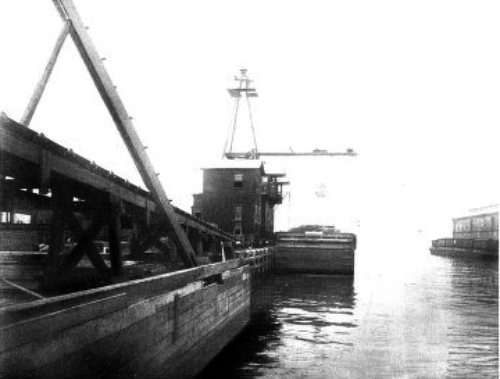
(413,86)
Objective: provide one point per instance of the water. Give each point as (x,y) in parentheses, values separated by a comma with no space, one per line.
(403,316)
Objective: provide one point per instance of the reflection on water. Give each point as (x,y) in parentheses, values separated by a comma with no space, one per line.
(424,317)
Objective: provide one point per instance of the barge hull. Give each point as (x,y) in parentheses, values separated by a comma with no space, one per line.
(166,326)
(464,252)
(315,260)
(316,253)
(461,247)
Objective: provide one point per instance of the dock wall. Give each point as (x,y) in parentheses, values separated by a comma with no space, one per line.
(168,326)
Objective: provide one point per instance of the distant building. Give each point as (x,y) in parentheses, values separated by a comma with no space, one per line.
(481,223)
(240,198)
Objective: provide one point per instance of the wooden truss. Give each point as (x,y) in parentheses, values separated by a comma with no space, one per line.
(74,26)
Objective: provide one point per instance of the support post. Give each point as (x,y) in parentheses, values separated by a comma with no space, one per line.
(198,243)
(44,171)
(62,203)
(114,234)
(37,94)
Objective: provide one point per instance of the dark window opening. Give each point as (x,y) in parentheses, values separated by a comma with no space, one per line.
(238,181)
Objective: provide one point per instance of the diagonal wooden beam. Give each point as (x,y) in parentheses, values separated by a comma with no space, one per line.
(124,124)
(85,245)
(37,94)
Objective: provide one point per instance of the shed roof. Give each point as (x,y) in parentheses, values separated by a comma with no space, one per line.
(235,164)
(480,211)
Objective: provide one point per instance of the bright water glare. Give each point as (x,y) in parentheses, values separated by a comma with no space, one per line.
(402,316)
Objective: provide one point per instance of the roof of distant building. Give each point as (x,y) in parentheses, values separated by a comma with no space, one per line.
(488,209)
(235,164)
(482,210)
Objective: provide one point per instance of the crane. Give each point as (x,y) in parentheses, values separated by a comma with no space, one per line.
(245,90)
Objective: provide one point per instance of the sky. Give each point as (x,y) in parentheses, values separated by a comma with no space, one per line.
(412,86)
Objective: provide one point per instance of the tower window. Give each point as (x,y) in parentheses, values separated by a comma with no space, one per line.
(238,181)
(238,212)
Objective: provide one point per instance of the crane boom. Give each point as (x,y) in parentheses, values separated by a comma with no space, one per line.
(314,153)
(322,153)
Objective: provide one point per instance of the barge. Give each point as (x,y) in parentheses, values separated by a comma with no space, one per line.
(320,251)
(474,235)
(168,325)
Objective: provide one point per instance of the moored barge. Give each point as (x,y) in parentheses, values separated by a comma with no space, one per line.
(320,251)
(474,235)
(168,325)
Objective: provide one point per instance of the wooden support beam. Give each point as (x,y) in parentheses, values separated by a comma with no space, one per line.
(27,146)
(148,215)
(3,178)
(196,240)
(62,202)
(40,88)
(44,172)
(124,124)
(24,152)
(114,234)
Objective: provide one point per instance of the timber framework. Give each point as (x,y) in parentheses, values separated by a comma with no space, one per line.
(40,177)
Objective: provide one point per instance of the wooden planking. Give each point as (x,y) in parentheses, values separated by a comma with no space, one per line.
(171,356)
(69,340)
(315,254)
(50,324)
(189,334)
(119,349)
(134,288)
(316,246)
(315,260)
(148,320)
(207,345)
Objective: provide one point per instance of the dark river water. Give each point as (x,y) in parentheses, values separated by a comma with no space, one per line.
(402,316)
